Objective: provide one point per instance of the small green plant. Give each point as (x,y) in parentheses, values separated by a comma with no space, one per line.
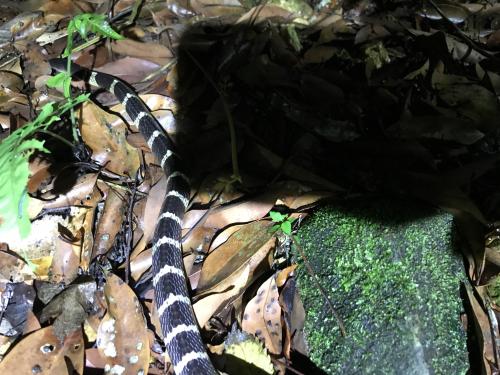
(16,149)
(283,222)
(82,24)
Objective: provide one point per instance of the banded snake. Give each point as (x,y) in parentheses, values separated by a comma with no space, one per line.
(178,323)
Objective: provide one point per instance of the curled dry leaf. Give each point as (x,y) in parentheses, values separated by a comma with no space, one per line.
(230,287)
(284,274)
(152,209)
(217,8)
(249,245)
(106,134)
(13,269)
(307,199)
(47,354)
(122,336)
(65,265)
(294,317)
(70,308)
(128,68)
(262,316)
(242,212)
(140,264)
(155,52)
(482,328)
(231,267)
(268,12)
(78,194)
(110,222)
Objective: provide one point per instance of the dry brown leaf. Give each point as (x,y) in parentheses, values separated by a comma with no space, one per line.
(13,269)
(110,222)
(78,194)
(242,212)
(86,218)
(216,189)
(262,316)
(217,8)
(262,13)
(40,172)
(140,264)
(93,358)
(225,235)
(441,192)
(66,7)
(284,274)
(319,54)
(11,82)
(152,208)
(130,69)
(65,266)
(482,328)
(46,354)
(154,52)
(122,336)
(371,32)
(230,287)
(105,134)
(294,317)
(32,323)
(198,239)
(295,202)
(252,239)
(193,218)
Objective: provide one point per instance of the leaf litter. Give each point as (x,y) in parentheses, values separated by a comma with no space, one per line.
(327,101)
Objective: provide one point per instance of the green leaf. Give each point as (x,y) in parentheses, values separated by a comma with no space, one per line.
(81,24)
(13,196)
(276,216)
(96,23)
(15,151)
(286,227)
(105,29)
(58,80)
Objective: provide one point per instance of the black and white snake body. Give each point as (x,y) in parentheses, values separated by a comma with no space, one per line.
(178,323)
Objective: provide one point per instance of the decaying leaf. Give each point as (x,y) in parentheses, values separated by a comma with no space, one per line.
(122,337)
(47,354)
(242,346)
(70,308)
(262,317)
(236,252)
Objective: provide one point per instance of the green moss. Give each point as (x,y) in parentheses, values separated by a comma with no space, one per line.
(390,269)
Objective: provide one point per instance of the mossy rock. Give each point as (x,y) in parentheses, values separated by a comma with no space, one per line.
(393,273)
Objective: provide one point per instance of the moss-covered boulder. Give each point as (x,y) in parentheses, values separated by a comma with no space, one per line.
(393,274)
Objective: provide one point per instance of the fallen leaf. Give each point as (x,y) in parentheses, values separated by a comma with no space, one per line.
(122,337)
(262,316)
(47,354)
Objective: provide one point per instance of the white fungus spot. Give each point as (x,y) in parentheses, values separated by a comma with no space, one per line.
(117,370)
(108,325)
(110,350)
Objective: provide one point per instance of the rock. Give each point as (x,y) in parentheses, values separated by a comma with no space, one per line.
(393,273)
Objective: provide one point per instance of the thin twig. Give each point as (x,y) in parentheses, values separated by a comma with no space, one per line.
(321,289)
